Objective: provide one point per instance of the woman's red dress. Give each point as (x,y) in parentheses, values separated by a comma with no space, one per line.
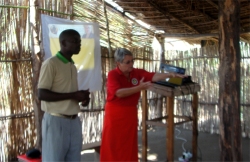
(119,135)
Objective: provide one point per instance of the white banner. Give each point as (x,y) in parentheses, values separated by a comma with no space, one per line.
(88,61)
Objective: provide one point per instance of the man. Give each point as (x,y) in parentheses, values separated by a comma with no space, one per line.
(88,31)
(60,97)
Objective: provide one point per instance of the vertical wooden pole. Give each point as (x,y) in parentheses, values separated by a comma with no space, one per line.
(109,42)
(195,126)
(144,125)
(36,64)
(159,96)
(229,84)
(170,128)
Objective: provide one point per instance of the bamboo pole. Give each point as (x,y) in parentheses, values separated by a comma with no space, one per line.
(109,42)
(10,6)
(36,65)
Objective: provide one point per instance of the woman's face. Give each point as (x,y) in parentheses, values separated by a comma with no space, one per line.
(126,65)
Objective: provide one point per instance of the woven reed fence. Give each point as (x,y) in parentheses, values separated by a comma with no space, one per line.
(202,64)
(20,42)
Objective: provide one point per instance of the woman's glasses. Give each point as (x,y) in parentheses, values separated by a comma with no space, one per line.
(129,61)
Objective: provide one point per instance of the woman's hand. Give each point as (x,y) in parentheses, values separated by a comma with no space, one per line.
(164,76)
(176,75)
(144,85)
(124,92)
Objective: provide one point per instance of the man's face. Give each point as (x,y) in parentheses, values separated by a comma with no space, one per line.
(73,44)
(88,28)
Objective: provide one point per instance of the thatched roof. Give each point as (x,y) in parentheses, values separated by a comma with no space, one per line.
(120,20)
(177,17)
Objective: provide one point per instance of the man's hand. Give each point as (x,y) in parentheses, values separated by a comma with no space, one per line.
(82,95)
(86,98)
(85,102)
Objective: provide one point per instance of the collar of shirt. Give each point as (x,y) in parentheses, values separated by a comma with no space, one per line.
(120,72)
(62,58)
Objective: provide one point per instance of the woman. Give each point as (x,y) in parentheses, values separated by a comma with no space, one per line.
(119,136)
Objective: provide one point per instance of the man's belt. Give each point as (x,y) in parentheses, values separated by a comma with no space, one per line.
(64,116)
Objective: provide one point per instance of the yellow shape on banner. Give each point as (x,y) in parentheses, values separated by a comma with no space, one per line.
(85,58)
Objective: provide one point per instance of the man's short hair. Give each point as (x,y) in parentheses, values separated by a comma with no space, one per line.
(67,33)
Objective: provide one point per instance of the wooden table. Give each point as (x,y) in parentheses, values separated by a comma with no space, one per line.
(170,93)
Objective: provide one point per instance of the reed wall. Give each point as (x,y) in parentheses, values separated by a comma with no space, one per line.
(21,54)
